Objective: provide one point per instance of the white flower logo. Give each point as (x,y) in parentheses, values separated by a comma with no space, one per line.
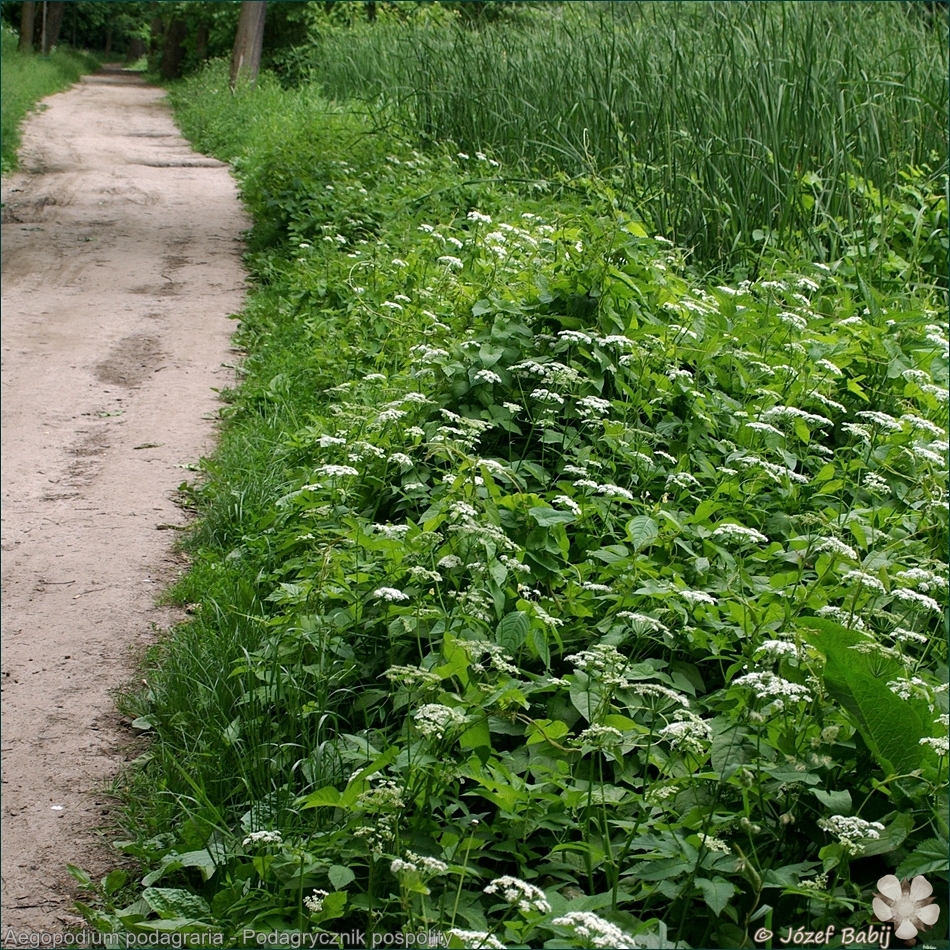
(907,904)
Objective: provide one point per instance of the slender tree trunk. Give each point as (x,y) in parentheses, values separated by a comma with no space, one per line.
(27,15)
(54,22)
(156,32)
(248,42)
(371,11)
(201,42)
(108,50)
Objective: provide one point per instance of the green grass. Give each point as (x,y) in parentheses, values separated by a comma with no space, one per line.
(24,81)
(726,126)
(503,515)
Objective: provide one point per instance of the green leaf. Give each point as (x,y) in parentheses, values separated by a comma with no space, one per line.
(838,803)
(891,727)
(328,796)
(512,630)
(340,876)
(169,902)
(929,857)
(202,860)
(477,736)
(716,893)
(891,838)
(548,516)
(642,531)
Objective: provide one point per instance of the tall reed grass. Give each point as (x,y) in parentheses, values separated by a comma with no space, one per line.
(726,125)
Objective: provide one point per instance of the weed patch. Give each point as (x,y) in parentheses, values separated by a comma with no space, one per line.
(544,591)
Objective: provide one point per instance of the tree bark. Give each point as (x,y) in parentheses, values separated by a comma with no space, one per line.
(248,42)
(201,42)
(54,21)
(173,52)
(27,15)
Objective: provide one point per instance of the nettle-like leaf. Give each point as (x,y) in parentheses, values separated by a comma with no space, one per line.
(891,727)
(929,857)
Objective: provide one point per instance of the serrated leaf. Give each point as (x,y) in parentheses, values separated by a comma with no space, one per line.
(929,857)
(340,876)
(642,531)
(716,893)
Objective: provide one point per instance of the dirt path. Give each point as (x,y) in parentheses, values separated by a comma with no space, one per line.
(121,264)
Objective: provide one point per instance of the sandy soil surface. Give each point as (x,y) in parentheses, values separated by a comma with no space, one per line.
(121,263)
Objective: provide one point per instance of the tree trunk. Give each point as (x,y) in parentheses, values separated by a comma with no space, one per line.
(108,50)
(371,11)
(248,42)
(54,20)
(27,15)
(156,32)
(173,53)
(201,42)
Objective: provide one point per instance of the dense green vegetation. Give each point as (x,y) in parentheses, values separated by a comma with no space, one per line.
(24,81)
(549,586)
(721,148)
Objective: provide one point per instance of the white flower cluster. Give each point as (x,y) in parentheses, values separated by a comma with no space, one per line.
(337,471)
(526,897)
(481,650)
(687,734)
(600,737)
(739,533)
(434,719)
(850,828)
(712,843)
(419,864)
(940,744)
(767,685)
(477,939)
(314,903)
(412,676)
(602,662)
(390,594)
(834,546)
(263,837)
(595,930)
(922,578)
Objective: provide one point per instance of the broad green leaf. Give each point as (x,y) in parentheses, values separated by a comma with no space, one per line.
(716,893)
(328,796)
(929,857)
(548,516)
(892,837)
(838,803)
(477,736)
(545,730)
(642,531)
(340,876)
(891,727)
(170,902)
(512,630)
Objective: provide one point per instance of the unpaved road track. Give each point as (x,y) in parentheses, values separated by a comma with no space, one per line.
(120,266)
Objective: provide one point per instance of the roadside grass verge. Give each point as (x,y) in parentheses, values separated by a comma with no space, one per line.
(543,592)
(24,81)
